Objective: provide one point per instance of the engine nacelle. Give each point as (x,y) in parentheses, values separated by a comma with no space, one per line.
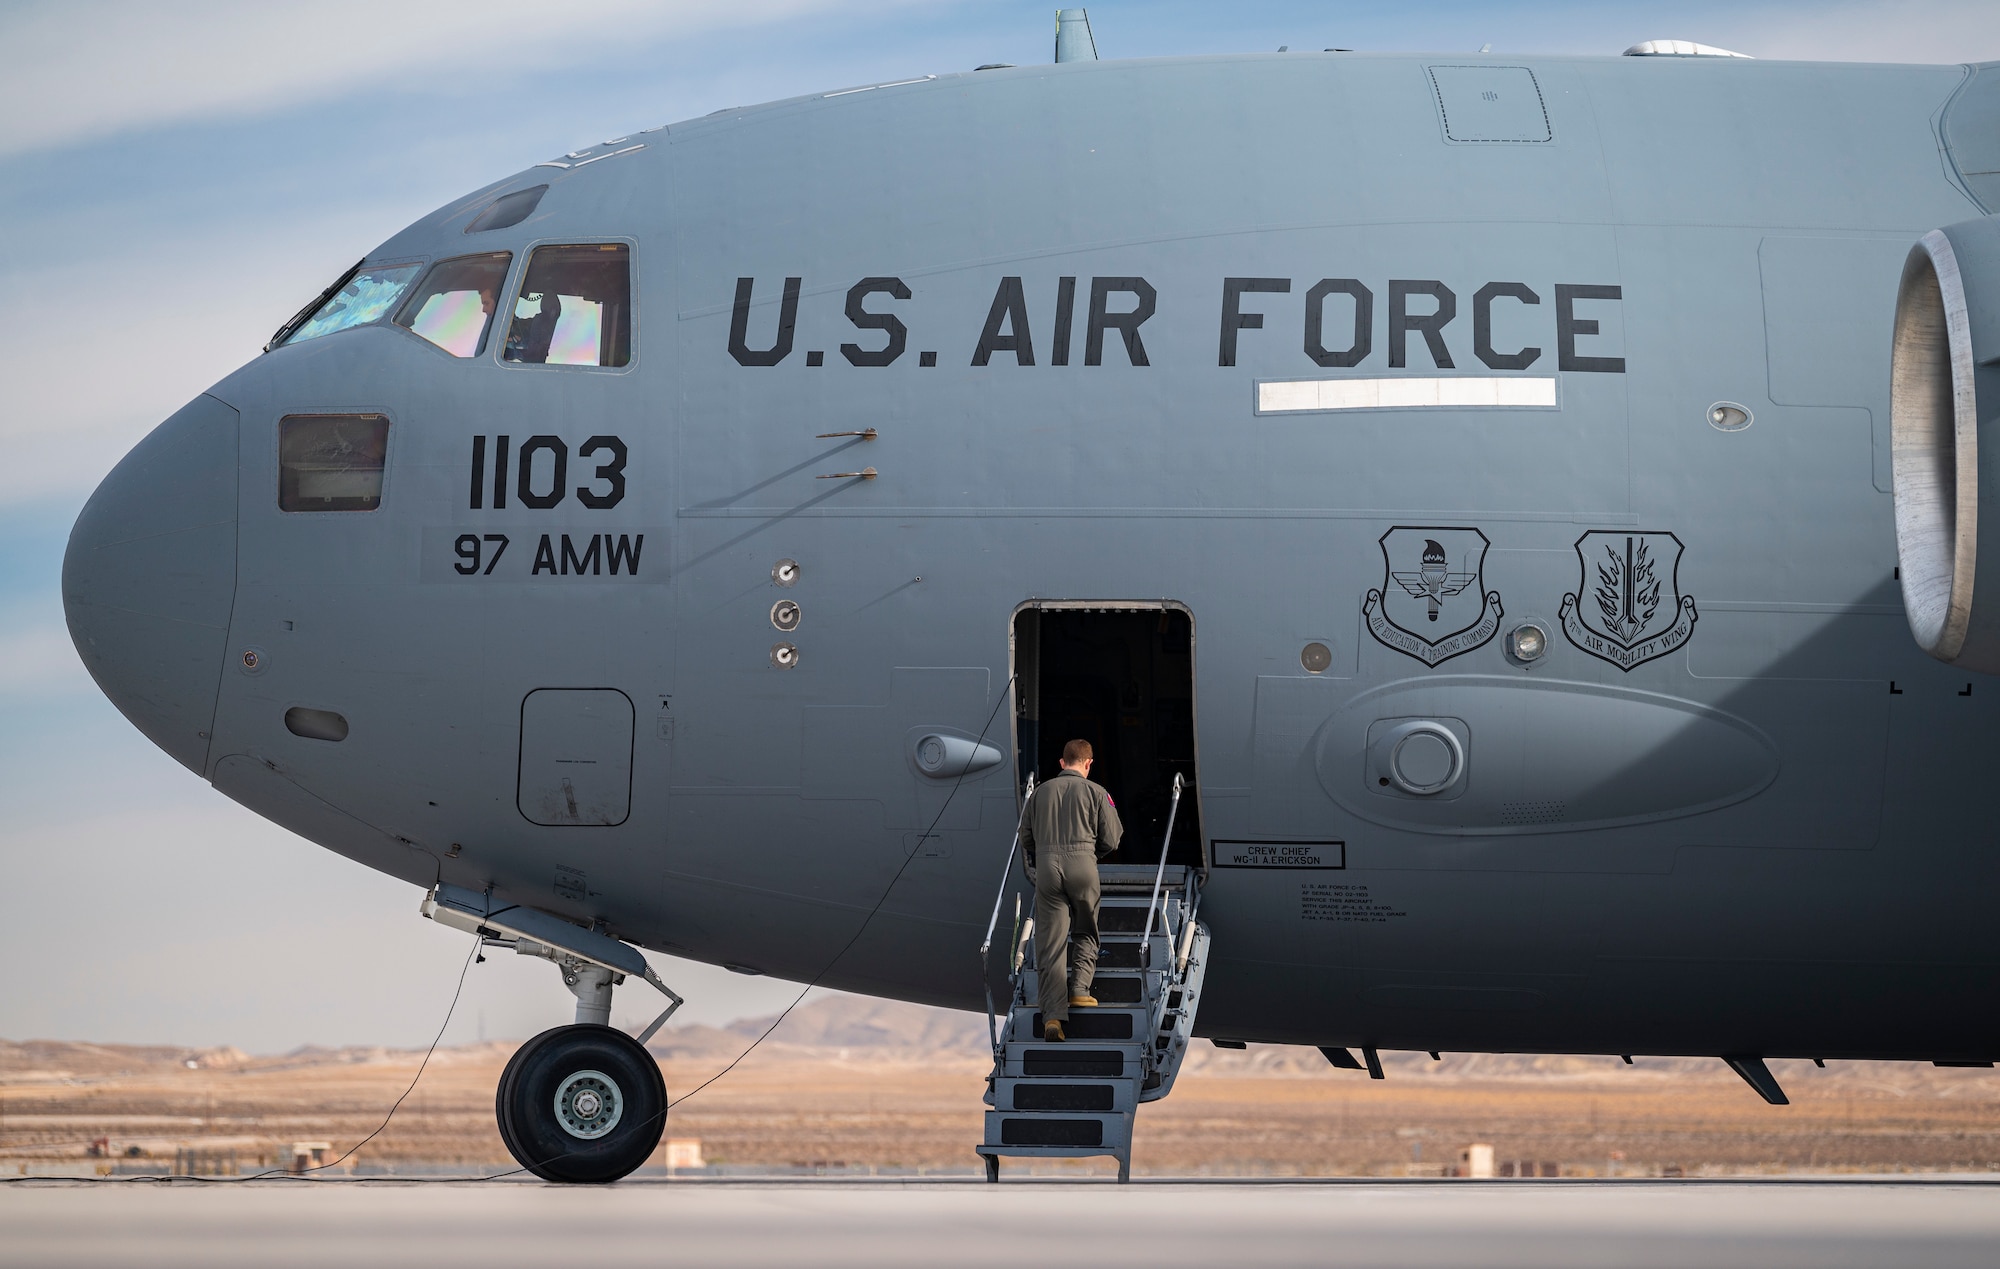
(1945,435)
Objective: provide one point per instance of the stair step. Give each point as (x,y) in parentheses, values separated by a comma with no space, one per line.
(1100,1060)
(1125,989)
(1079,1098)
(1097,1024)
(993,1154)
(1074,1094)
(1119,955)
(1124,920)
(1112,985)
(1108,1130)
(1139,876)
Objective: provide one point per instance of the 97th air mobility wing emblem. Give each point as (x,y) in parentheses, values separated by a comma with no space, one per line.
(1433,603)
(1628,607)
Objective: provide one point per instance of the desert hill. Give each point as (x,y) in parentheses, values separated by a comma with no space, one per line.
(860,1029)
(847,1082)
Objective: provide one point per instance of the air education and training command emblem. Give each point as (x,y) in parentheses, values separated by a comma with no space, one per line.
(1628,607)
(1433,604)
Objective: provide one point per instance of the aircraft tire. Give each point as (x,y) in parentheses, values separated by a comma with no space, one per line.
(581,1104)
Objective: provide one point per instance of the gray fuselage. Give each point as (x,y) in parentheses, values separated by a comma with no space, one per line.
(1732,809)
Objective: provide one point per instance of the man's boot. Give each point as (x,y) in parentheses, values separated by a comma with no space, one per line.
(1082,1002)
(1052,1031)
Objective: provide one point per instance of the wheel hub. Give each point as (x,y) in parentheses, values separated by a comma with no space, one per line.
(589,1104)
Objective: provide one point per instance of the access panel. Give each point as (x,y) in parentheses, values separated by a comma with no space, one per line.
(1486,104)
(576,756)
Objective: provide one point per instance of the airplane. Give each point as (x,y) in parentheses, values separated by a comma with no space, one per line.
(695,542)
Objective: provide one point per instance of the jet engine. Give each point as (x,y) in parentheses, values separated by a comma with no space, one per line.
(1945,428)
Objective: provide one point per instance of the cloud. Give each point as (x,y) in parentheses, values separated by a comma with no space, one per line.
(1927,31)
(206,925)
(83,69)
(175,322)
(104,338)
(37,659)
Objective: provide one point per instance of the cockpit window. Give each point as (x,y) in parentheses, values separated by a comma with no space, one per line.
(331,462)
(453,306)
(575,307)
(363,296)
(508,210)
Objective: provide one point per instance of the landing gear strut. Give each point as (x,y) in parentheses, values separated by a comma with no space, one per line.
(583,1103)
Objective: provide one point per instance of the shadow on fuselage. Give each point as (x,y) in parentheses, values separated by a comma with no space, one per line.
(1839,910)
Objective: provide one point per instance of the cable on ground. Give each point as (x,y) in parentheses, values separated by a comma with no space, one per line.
(287,1174)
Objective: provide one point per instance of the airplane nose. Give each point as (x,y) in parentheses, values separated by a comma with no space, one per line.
(150,575)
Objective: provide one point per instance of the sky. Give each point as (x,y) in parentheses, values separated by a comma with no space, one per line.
(176,180)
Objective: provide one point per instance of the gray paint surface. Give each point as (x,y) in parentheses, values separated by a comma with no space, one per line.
(1768,853)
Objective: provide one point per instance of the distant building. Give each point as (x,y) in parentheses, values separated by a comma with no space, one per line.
(684,1152)
(1529,1168)
(1476,1160)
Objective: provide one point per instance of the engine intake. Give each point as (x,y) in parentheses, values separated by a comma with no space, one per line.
(1944,410)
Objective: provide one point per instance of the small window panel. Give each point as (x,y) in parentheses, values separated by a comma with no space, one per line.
(366,295)
(575,307)
(331,462)
(453,306)
(508,210)
(316,724)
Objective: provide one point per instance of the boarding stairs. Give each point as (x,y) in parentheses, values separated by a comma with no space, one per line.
(1078,1098)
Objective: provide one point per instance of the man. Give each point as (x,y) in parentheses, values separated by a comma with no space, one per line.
(1074,823)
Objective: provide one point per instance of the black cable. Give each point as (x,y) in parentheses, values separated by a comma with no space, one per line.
(886,892)
(450,1009)
(845,949)
(457,991)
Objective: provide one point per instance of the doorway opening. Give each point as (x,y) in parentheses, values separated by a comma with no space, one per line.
(1121,677)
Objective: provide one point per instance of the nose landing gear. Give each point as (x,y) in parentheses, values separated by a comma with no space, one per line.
(582,1103)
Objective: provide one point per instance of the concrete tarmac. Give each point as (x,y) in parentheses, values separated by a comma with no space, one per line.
(301,1225)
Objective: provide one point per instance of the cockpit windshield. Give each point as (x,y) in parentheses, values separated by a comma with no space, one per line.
(454,306)
(358,299)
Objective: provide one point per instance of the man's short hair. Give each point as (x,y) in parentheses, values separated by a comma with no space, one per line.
(1076,751)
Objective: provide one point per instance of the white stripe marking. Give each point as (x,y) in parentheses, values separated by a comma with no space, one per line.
(869,88)
(1452,393)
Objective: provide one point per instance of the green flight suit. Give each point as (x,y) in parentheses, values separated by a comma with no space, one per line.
(1071,824)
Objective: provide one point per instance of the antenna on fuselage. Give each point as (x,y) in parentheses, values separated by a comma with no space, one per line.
(1073,38)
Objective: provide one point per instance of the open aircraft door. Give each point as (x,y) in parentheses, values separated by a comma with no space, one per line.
(1120,675)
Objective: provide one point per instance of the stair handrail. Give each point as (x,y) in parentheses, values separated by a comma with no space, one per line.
(1007,871)
(1173,809)
(1188,928)
(993,922)
(1174,977)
